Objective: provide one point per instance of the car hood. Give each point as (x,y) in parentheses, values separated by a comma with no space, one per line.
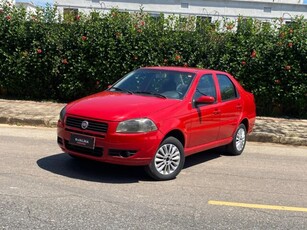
(117,106)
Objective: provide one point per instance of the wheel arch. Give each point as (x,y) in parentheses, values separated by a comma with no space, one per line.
(246,123)
(176,134)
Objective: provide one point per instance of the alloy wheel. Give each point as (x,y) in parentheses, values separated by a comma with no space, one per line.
(167,159)
(240,139)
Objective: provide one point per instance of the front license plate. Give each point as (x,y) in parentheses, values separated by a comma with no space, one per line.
(82,140)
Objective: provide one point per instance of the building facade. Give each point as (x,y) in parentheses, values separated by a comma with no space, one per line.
(29,6)
(264,10)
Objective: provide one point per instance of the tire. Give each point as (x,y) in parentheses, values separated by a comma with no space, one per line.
(168,160)
(236,147)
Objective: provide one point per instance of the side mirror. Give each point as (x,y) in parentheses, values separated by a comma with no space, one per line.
(205,100)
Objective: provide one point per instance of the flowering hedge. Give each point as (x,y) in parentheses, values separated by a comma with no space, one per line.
(46,57)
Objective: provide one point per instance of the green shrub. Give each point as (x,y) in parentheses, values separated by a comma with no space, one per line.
(47,57)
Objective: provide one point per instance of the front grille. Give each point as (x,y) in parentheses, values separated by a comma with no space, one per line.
(97,152)
(86,133)
(92,125)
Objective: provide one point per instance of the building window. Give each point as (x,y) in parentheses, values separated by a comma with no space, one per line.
(267,9)
(70,14)
(184,5)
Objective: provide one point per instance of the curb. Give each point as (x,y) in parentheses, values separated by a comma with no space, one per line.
(272,138)
(28,122)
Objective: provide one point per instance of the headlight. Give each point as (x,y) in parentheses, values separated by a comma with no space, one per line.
(142,125)
(62,114)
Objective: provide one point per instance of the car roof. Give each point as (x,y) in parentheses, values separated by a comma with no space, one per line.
(184,69)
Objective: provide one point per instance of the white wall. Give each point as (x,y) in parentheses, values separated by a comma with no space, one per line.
(261,9)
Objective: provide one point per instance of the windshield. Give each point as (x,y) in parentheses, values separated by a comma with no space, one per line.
(152,82)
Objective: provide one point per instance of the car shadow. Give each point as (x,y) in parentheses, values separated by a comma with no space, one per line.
(83,169)
(203,157)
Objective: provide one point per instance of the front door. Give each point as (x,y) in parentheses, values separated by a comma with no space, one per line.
(205,118)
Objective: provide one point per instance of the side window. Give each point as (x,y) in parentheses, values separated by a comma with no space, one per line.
(205,87)
(228,90)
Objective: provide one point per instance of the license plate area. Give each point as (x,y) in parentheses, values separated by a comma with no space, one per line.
(82,140)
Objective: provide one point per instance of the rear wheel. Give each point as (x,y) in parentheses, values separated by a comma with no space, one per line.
(237,145)
(168,160)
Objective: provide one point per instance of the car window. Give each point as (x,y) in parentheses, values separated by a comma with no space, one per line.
(228,90)
(171,84)
(205,87)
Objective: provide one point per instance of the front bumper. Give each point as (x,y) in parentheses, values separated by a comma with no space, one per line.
(111,147)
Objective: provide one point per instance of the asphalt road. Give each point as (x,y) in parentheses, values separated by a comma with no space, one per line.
(42,188)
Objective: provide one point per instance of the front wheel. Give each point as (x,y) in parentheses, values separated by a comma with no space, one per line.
(168,160)
(237,145)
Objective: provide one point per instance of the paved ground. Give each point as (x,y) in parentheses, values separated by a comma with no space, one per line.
(274,130)
(43,188)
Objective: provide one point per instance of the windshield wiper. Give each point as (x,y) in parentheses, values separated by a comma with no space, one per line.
(120,89)
(150,93)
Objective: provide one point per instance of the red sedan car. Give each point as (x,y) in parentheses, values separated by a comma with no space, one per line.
(156,116)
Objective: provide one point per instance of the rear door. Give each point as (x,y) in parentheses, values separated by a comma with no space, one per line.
(230,106)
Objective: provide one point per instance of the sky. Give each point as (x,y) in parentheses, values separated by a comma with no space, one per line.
(44,2)
(39,2)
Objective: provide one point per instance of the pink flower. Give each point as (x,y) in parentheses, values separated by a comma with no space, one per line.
(253,54)
(84,38)
(39,51)
(8,17)
(64,61)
